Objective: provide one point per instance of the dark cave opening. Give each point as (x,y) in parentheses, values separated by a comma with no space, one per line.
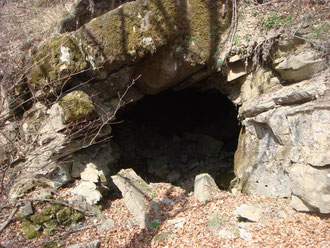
(174,136)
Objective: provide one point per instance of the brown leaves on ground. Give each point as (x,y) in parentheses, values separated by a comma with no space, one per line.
(280,225)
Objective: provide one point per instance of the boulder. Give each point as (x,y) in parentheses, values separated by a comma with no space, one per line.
(205,188)
(26,209)
(299,67)
(77,106)
(105,225)
(32,121)
(310,188)
(30,230)
(250,213)
(84,10)
(136,195)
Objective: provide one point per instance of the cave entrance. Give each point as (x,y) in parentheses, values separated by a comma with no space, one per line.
(174,136)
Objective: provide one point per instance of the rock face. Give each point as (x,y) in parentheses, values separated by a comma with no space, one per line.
(80,80)
(283,146)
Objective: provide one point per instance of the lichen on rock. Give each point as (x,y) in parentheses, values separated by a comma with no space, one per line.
(77,106)
(53,65)
(30,230)
(64,216)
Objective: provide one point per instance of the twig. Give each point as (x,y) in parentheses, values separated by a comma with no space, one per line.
(57,202)
(9,219)
(5,206)
(112,116)
(312,43)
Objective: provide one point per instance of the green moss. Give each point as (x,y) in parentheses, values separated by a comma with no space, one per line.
(43,216)
(30,230)
(51,224)
(77,106)
(29,185)
(49,231)
(64,216)
(50,71)
(99,207)
(52,244)
(129,33)
(77,217)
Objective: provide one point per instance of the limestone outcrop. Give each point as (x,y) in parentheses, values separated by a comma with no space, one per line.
(81,80)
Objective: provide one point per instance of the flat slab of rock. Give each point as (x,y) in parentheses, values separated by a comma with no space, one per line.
(250,213)
(105,225)
(205,187)
(136,194)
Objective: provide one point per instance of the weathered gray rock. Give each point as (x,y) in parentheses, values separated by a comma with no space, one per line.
(285,140)
(250,213)
(105,225)
(84,10)
(7,139)
(136,195)
(26,210)
(299,67)
(237,70)
(299,205)
(163,70)
(311,186)
(33,120)
(163,236)
(205,187)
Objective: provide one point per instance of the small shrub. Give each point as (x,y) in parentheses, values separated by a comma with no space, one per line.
(154,225)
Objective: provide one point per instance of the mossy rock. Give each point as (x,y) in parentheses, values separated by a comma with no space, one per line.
(127,34)
(30,230)
(77,106)
(161,237)
(52,244)
(77,217)
(49,231)
(43,216)
(53,65)
(64,216)
(51,224)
